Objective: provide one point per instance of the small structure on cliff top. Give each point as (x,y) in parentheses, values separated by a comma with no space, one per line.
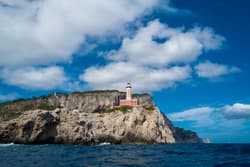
(128,101)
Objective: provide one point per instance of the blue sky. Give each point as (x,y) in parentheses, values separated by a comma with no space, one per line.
(192,56)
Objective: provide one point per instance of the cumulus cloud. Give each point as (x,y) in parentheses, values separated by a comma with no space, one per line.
(218,123)
(34,78)
(154,58)
(180,45)
(115,75)
(192,114)
(235,111)
(44,31)
(207,38)
(6,97)
(208,69)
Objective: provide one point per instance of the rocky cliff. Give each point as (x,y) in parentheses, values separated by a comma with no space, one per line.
(88,118)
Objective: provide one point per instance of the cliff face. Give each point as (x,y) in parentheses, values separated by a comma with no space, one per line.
(88,102)
(88,118)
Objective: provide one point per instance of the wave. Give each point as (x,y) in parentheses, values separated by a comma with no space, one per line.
(104,143)
(7,145)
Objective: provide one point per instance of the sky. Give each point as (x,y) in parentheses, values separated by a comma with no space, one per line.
(191,56)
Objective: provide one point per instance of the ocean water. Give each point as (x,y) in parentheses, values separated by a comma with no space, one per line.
(185,155)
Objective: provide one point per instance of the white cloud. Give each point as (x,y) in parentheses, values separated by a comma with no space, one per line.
(115,75)
(202,116)
(44,31)
(225,124)
(34,78)
(74,86)
(191,114)
(208,69)
(207,37)
(152,65)
(6,97)
(235,111)
(180,46)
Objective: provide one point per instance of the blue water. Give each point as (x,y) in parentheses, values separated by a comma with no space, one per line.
(185,155)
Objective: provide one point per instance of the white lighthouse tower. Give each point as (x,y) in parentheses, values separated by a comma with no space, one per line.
(128,91)
(129,101)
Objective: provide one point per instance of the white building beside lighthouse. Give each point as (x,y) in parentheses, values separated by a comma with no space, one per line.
(128,101)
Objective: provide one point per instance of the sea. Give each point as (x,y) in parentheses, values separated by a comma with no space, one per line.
(167,155)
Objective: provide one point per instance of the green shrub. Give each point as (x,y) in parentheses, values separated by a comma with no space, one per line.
(45,106)
(125,109)
(93,91)
(109,110)
(149,107)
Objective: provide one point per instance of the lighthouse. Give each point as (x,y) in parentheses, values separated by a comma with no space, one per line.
(129,101)
(128,91)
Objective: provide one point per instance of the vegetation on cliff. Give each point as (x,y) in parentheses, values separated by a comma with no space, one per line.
(90,101)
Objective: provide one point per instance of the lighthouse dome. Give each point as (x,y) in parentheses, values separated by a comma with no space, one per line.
(128,85)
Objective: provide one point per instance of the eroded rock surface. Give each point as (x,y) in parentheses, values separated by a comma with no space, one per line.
(136,125)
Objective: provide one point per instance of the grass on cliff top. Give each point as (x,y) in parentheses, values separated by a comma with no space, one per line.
(94,91)
(142,94)
(45,106)
(123,109)
(44,97)
(10,111)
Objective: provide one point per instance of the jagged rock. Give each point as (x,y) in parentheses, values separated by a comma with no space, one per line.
(73,127)
(31,127)
(91,118)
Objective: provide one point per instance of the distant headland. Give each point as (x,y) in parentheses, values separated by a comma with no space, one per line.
(88,118)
